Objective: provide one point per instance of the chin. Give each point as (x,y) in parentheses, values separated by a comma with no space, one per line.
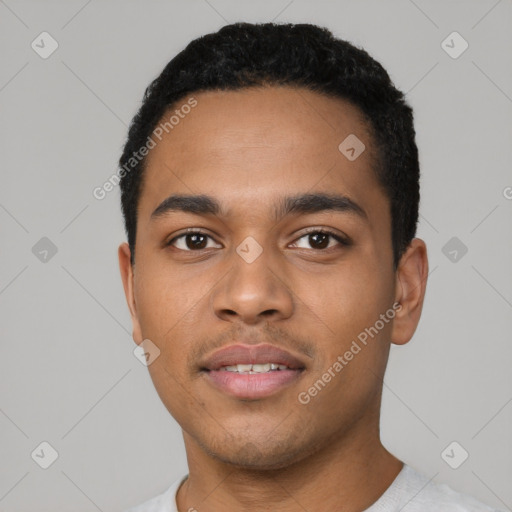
(252,458)
(260,454)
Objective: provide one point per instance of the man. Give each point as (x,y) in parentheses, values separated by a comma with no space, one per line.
(270,190)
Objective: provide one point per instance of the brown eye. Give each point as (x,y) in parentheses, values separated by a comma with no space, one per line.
(191,241)
(196,241)
(321,240)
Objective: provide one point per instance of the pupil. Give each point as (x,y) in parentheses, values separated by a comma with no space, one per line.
(324,240)
(194,239)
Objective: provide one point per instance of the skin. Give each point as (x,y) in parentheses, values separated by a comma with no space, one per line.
(247,149)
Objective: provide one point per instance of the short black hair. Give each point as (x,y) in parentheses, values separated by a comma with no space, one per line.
(243,55)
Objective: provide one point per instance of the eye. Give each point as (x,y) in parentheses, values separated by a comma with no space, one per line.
(192,240)
(320,239)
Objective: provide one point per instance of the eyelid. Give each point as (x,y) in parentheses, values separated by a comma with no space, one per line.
(189,231)
(342,239)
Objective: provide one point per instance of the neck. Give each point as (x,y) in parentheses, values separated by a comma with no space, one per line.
(348,474)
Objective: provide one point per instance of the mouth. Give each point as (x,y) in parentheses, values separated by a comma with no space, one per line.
(252,369)
(252,372)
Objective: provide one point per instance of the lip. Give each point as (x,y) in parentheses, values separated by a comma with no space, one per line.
(251,354)
(251,386)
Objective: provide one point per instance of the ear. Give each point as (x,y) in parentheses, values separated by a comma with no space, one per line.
(127,276)
(411,283)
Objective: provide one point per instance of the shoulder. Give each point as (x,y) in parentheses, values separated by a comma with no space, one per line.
(165,502)
(422,494)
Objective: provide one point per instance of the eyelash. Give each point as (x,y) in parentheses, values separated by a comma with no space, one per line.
(341,240)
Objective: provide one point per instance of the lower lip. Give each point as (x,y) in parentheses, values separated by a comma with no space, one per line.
(252,386)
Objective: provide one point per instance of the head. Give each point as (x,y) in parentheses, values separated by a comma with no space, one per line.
(290,158)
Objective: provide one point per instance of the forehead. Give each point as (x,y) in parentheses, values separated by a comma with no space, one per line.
(259,144)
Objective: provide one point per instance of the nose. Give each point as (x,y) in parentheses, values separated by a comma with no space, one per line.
(253,292)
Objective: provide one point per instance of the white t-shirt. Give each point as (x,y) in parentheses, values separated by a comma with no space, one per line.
(409,492)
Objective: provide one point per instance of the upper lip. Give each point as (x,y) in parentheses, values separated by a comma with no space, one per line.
(250,354)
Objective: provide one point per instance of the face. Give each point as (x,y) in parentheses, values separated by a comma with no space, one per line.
(277,250)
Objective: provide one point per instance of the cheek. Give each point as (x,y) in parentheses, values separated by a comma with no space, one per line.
(349,305)
(165,299)
(346,300)
(173,390)
(169,311)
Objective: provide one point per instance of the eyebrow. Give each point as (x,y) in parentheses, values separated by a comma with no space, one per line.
(298,204)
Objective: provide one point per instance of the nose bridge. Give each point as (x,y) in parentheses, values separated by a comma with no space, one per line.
(252,289)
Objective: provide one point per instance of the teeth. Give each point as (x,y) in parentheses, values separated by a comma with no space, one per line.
(261,368)
(252,369)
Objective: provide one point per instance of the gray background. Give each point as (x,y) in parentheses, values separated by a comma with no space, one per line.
(68,375)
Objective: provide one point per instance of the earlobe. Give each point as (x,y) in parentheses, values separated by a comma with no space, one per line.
(411,282)
(127,277)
